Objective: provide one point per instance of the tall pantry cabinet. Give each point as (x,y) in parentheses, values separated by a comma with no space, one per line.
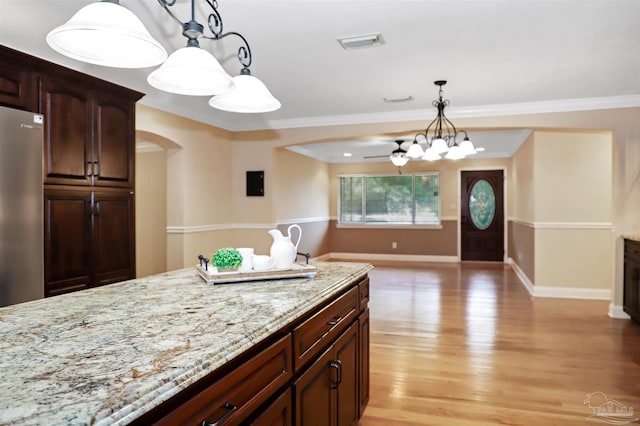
(88,169)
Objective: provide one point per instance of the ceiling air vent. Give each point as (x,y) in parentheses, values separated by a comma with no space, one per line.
(360,41)
(398,100)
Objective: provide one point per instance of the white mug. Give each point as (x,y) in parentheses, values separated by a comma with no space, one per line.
(247,259)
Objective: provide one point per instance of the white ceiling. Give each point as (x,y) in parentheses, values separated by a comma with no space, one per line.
(498,56)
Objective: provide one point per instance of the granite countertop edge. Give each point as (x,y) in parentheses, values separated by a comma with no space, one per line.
(107,356)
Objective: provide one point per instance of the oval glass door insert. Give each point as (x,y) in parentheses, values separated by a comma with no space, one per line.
(482,204)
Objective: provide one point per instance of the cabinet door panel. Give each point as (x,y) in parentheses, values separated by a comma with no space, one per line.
(67,133)
(113,232)
(315,403)
(277,414)
(67,241)
(114,144)
(15,88)
(346,351)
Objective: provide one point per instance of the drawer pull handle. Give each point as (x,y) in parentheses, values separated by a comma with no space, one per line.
(230,410)
(337,365)
(334,321)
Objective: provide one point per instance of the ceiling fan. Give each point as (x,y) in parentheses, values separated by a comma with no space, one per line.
(398,156)
(397,152)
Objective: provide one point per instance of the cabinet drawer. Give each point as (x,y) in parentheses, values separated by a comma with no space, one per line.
(363,294)
(310,337)
(245,388)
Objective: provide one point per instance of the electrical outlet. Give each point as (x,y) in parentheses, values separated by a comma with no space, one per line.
(394,245)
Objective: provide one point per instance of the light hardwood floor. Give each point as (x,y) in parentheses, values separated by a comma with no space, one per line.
(465,344)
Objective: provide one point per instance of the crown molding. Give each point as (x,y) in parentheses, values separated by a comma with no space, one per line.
(541,107)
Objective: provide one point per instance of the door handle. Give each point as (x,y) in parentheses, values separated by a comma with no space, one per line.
(336,365)
(228,409)
(334,320)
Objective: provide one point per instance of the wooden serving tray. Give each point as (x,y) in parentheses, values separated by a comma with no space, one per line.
(296,271)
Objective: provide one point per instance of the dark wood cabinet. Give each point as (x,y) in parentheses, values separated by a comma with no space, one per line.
(67,240)
(631,303)
(16,87)
(88,176)
(67,132)
(235,396)
(89,137)
(363,322)
(113,141)
(327,393)
(89,238)
(279,413)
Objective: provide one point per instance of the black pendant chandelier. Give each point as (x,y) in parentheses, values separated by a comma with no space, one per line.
(441,136)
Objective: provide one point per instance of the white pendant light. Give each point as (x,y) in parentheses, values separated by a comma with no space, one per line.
(191,71)
(455,153)
(415,150)
(107,34)
(467,147)
(439,146)
(248,95)
(431,155)
(399,159)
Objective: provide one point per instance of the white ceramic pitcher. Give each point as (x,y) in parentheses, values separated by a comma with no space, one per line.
(282,249)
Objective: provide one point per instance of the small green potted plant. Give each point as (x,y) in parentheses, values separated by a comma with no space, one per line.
(226,259)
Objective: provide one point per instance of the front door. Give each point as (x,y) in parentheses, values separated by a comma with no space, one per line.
(482,215)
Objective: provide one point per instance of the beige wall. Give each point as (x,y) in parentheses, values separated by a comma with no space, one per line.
(198,173)
(151,212)
(300,187)
(562,184)
(573,176)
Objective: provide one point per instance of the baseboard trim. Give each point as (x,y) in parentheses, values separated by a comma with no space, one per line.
(616,311)
(559,292)
(394,257)
(526,282)
(572,293)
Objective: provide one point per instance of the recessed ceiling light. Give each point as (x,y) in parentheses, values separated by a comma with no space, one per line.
(347,154)
(479,149)
(360,41)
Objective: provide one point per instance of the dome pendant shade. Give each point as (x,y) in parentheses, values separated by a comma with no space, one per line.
(249,95)
(439,146)
(399,159)
(431,155)
(467,147)
(191,71)
(415,150)
(455,153)
(107,34)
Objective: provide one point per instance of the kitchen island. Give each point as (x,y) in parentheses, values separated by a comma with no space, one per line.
(143,350)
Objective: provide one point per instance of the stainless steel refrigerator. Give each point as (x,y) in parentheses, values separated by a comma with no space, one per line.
(21,211)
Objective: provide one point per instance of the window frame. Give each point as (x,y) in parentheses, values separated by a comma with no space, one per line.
(391,225)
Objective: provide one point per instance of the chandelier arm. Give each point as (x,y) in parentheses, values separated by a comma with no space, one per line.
(426,132)
(415,137)
(166,4)
(455,131)
(244,52)
(214,21)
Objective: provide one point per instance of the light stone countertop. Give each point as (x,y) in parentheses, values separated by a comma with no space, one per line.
(108,355)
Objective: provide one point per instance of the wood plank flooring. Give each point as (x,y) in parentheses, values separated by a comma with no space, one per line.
(465,344)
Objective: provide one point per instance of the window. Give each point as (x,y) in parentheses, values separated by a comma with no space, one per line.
(404,200)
